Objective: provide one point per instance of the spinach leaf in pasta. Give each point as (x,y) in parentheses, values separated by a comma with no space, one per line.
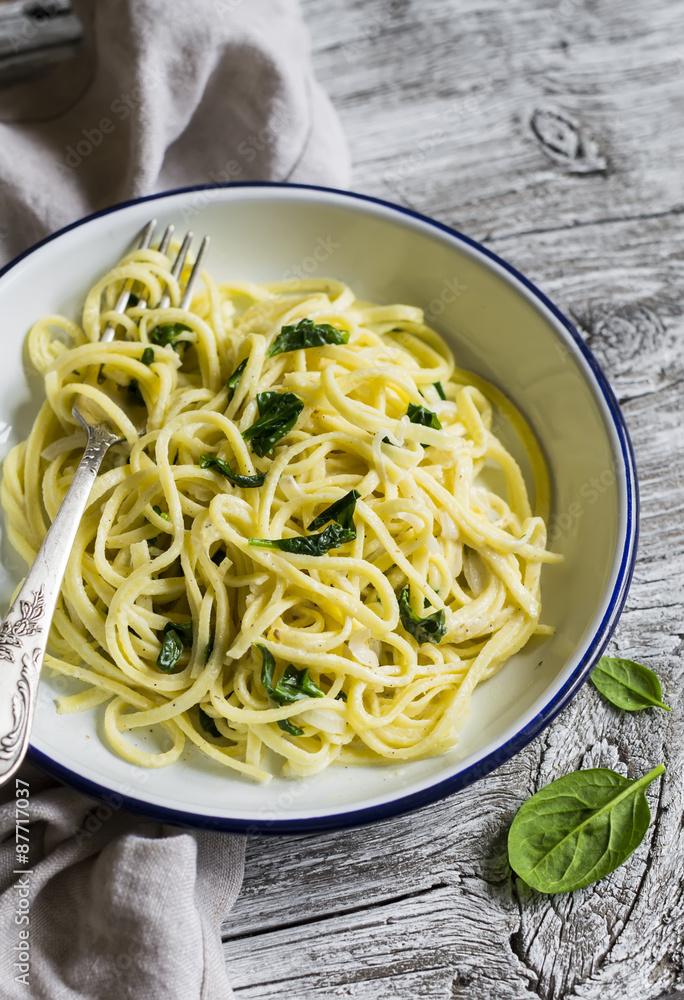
(579,828)
(342,511)
(431,629)
(207,723)
(294,685)
(440,390)
(278,413)
(421,415)
(231,384)
(628,685)
(267,668)
(305,334)
(309,545)
(170,335)
(147,356)
(175,637)
(133,389)
(246,482)
(290,727)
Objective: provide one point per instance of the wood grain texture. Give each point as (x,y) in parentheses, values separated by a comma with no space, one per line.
(555,134)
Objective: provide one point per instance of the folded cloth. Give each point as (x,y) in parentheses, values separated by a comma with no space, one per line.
(165,95)
(109,907)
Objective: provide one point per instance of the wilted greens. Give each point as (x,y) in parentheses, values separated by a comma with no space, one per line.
(309,545)
(278,413)
(306,334)
(431,629)
(170,335)
(175,637)
(246,482)
(342,511)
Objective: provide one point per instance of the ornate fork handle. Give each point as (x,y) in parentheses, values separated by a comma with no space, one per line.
(24,632)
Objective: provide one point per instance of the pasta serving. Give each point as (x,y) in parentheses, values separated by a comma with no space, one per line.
(297,557)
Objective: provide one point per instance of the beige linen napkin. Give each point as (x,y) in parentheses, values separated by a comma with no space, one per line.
(110,907)
(163,94)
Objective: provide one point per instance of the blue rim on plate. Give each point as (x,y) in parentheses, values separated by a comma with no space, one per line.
(500,755)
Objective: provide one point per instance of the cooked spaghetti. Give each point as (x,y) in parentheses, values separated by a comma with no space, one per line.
(298,556)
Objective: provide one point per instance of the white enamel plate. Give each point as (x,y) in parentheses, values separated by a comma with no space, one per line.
(500,326)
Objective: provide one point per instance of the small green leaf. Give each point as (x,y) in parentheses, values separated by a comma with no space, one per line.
(628,685)
(295,685)
(267,668)
(232,383)
(208,650)
(246,482)
(579,828)
(342,511)
(431,629)
(421,415)
(175,637)
(162,513)
(309,545)
(424,417)
(440,390)
(207,723)
(133,390)
(147,356)
(290,728)
(340,696)
(278,413)
(170,335)
(306,334)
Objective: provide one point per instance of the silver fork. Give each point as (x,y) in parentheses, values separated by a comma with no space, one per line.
(25,630)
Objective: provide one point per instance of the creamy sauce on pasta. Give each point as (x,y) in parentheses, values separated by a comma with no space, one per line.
(364,651)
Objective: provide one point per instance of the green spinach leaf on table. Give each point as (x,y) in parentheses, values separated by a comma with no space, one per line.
(627,685)
(579,828)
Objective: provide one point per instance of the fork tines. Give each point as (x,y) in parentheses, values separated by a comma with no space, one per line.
(165,301)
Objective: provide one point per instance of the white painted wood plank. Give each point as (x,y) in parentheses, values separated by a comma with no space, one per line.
(446,105)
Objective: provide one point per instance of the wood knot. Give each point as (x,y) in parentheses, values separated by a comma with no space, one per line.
(625,332)
(566,142)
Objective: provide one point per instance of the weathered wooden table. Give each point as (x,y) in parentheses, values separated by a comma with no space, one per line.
(554,133)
